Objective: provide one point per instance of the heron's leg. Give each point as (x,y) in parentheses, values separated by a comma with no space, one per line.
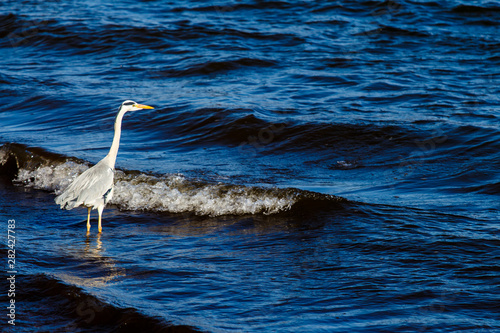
(88,220)
(99,210)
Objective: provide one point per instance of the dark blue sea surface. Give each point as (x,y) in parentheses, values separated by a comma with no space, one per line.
(310,166)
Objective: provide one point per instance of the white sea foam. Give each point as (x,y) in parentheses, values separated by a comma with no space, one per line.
(51,178)
(169,193)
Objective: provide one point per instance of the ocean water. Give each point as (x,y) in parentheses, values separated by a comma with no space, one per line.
(310,166)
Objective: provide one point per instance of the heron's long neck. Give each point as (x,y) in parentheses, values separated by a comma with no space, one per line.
(113,151)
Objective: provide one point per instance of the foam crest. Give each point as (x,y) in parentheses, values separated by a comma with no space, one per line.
(174,193)
(169,193)
(34,167)
(51,178)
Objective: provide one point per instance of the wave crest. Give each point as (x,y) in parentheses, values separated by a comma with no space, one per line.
(172,193)
(175,193)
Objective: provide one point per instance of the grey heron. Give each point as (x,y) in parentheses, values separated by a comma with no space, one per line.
(94,187)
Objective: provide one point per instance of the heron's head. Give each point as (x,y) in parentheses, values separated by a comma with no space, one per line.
(133,106)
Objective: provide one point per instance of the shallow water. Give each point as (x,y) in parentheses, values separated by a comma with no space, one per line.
(309,166)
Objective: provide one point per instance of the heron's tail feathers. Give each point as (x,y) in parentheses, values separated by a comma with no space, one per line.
(67,203)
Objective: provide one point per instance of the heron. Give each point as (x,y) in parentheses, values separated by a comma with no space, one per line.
(94,187)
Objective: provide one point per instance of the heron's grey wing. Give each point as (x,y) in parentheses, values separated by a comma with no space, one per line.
(90,186)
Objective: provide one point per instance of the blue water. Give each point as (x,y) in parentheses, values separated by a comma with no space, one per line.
(310,166)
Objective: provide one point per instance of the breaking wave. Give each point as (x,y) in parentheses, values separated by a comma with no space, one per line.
(174,193)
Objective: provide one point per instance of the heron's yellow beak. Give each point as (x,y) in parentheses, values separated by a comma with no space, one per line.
(142,106)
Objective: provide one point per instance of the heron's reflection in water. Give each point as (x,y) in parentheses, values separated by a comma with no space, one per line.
(93,268)
(98,247)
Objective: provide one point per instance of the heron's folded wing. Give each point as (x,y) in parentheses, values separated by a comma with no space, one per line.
(88,187)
